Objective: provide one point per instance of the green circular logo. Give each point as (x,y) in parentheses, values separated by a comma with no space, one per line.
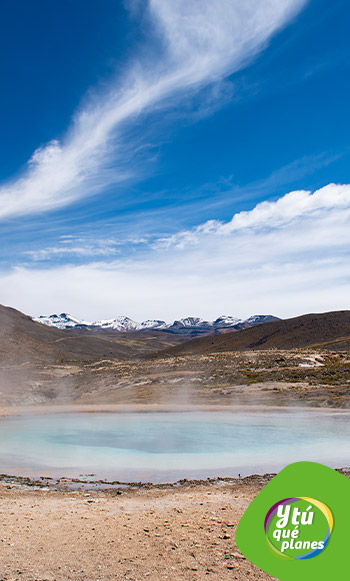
(298,528)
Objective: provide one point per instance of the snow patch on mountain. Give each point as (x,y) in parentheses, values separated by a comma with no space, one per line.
(225,320)
(153,324)
(118,324)
(62,321)
(259,319)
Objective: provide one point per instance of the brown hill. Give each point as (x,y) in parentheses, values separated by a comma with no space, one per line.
(324,330)
(24,341)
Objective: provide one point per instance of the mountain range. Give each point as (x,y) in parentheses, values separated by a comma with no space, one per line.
(189,326)
(27,342)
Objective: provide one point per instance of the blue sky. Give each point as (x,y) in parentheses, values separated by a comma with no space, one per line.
(150,152)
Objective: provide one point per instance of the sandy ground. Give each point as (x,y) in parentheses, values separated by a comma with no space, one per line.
(174,533)
(140,408)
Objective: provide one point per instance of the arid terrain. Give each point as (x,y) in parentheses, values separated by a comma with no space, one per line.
(180,532)
(183,533)
(312,377)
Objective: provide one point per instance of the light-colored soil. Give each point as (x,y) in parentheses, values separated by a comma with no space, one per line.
(265,378)
(177,534)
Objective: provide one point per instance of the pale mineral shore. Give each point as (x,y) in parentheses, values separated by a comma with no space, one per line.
(174,532)
(139,408)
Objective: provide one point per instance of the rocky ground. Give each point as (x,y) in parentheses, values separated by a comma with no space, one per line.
(272,377)
(175,533)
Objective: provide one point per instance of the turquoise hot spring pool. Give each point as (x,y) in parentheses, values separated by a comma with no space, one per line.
(166,447)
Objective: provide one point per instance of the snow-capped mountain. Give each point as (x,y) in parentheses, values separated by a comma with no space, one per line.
(152,324)
(123,324)
(223,322)
(190,322)
(62,321)
(65,321)
(189,326)
(257,320)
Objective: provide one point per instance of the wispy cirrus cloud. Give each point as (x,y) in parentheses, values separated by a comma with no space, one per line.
(282,257)
(191,44)
(75,247)
(84,249)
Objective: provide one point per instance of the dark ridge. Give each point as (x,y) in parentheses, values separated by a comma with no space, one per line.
(328,330)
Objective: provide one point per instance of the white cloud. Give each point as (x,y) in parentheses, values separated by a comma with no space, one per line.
(202,42)
(291,207)
(284,257)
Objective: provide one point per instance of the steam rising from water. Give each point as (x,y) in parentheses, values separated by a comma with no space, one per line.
(163,447)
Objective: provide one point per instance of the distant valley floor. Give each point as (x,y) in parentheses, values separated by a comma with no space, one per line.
(311,377)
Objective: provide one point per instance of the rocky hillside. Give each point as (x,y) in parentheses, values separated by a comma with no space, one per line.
(24,341)
(326,329)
